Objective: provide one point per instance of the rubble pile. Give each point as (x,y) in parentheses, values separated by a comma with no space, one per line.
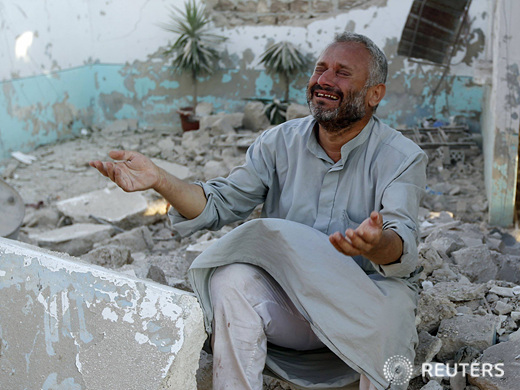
(469,289)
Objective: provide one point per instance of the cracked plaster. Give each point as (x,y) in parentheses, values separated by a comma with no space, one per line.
(87,328)
(99,80)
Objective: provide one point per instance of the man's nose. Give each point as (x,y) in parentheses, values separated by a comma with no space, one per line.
(326,78)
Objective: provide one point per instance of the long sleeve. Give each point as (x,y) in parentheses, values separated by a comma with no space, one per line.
(235,197)
(400,207)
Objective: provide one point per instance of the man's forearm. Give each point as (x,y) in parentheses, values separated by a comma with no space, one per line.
(388,250)
(188,199)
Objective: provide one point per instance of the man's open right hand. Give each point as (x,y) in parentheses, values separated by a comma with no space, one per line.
(131,171)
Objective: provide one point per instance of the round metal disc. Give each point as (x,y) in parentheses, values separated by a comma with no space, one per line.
(12,210)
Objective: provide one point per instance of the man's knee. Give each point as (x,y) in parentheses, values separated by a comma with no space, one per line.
(233,280)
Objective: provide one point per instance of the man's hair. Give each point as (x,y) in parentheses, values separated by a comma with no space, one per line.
(378,63)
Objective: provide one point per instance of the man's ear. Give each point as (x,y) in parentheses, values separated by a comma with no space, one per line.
(375,94)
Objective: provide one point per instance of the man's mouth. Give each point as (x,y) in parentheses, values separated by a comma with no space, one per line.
(326,95)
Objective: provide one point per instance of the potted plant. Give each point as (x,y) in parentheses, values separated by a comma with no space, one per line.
(285,59)
(194,51)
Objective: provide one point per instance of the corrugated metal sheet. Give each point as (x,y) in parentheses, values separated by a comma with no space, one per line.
(432,29)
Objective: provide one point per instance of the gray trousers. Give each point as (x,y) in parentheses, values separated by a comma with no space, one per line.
(250,309)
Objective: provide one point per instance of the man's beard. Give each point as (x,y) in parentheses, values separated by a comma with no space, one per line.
(350,110)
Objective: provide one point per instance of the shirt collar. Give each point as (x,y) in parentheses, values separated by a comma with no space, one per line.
(316,149)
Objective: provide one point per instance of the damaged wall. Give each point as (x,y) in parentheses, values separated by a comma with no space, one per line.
(86,64)
(501,115)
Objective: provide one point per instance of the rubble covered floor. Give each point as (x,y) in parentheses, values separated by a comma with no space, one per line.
(471,270)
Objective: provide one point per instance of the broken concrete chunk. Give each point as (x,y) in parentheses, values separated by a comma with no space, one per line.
(24,158)
(431,310)
(502,308)
(508,267)
(195,141)
(110,256)
(157,275)
(213,169)
(207,122)
(502,291)
(430,259)
(427,348)
(468,330)
(466,354)
(201,245)
(476,263)
(459,292)
(507,355)
(236,119)
(445,242)
(115,206)
(515,336)
(432,385)
(445,273)
(222,123)
(97,328)
(177,170)
(464,310)
(297,111)
(495,244)
(136,240)
(458,381)
(203,109)
(167,146)
(74,239)
(254,116)
(44,217)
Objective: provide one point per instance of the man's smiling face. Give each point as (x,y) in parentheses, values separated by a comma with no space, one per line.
(337,90)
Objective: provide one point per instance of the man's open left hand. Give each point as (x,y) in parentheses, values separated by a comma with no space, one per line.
(362,241)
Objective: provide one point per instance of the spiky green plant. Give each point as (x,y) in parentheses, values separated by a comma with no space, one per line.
(285,59)
(194,51)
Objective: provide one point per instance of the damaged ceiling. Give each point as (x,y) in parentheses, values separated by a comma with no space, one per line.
(432,29)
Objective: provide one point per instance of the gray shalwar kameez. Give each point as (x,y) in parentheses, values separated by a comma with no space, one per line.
(362,311)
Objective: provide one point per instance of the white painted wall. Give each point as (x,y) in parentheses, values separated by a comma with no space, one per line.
(71,33)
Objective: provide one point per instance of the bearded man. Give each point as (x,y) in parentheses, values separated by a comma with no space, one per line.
(319,291)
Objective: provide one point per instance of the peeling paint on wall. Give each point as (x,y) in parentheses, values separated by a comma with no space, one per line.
(88,328)
(99,80)
(501,115)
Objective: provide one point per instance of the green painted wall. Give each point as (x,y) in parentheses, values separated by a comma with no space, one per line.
(42,109)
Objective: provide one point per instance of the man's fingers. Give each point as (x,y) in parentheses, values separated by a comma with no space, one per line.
(110,170)
(376,218)
(342,244)
(119,154)
(358,242)
(99,166)
(122,155)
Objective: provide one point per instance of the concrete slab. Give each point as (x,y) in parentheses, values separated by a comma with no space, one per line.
(74,239)
(65,324)
(475,331)
(124,209)
(506,354)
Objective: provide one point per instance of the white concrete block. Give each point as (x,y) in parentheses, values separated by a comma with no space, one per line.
(66,324)
(74,239)
(110,204)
